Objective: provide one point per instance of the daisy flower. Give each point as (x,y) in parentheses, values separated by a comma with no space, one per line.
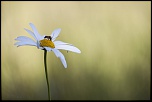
(47,43)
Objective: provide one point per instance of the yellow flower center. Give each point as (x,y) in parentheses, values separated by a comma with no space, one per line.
(47,43)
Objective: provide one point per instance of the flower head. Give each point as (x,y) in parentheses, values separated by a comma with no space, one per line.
(47,43)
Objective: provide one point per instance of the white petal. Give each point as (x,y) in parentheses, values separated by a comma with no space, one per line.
(66,46)
(24,38)
(55,34)
(48,48)
(61,56)
(31,33)
(38,36)
(22,43)
(60,43)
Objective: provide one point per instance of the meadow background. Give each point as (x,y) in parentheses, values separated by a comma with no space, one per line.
(114,38)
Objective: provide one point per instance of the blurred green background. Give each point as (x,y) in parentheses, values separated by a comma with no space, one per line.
(114,38)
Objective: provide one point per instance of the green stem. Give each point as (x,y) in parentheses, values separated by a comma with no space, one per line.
(45,65)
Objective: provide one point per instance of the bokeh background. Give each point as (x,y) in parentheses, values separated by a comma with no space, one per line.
(114,38)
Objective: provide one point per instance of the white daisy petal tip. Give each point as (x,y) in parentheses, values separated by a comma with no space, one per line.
(64,62)
(31,23)
(25,29)
(58,30)
(78,51)
(55,33)
(65,66)
(15,39)
(16,44)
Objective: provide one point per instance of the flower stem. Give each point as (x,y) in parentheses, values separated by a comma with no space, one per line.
(45,65)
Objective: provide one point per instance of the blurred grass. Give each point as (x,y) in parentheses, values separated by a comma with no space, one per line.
(114,38)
